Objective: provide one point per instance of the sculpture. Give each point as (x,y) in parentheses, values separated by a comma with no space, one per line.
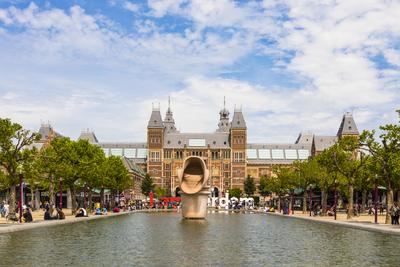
(193,179)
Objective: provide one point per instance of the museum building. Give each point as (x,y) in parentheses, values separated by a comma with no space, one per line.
(226,151)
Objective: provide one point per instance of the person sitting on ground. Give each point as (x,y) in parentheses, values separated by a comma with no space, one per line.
(98,212)
(27,215)
(47,215)
(104,211)
(81,212)
(116,210)
(61,214)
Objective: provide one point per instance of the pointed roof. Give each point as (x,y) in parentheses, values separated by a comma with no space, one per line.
(88,135)
(155,119)
(223,125)
(46,131)
(238,121)
(348,125)
(169,122)
(304,138)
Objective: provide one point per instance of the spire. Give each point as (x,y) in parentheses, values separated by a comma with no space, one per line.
(238,121)
(223,125)
(169,122)
(347,126)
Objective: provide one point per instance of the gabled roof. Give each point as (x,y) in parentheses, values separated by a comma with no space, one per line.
(46,131)
(238,121)
(322,142)
(348,125)
(155,119)
(304,138)
(88,135)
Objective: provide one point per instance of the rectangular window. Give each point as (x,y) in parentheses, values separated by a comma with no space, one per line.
(277,154)
(264,154)
(141,153)
(116,151)
(106,151)
(167,154)
(251,153)
(197,142)
(303,153)
(130,152)
(290,153)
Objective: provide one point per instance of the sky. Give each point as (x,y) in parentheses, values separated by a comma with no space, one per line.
(291,66)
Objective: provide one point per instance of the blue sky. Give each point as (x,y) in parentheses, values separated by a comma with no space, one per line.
(293,66)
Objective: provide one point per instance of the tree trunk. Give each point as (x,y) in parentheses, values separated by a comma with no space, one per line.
(73,199)
(33,206)
(102,198)
(324,201)
(69,201)
(279,204)
(11,213)
(350,202)
(398,197)
(51,194)
(304,202)
(37,198)
(90,199)
(389,199)
(363,200)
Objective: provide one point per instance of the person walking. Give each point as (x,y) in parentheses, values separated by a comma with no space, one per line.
(393,211)
(397,214)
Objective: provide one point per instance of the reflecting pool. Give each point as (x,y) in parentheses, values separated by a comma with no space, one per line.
(164,239)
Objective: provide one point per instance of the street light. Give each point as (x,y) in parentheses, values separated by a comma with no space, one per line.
(21,191)
(60,197)
(335,199)
(376,198)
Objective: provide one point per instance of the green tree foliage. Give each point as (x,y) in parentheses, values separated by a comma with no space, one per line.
(235,192)
(249,186)
(147,185)
(349,163)
(262,188)
(385,157)
(15,151)
(160,192)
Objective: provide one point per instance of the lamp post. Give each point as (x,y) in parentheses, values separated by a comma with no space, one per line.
(376,198)
(60,197)
(21,192)
(310,199)
(335,200)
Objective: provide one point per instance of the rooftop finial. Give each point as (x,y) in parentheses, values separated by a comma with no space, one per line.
(224,101)
(169,102)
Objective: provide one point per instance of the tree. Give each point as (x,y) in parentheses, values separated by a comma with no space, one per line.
(262,187)
(235,192)
(160,192)
(147,185)
(385,156)
(281,183)
(14,152)
(249,186)
(305,175)
(348,162)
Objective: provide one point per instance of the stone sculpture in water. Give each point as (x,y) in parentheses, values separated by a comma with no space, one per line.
(193,179)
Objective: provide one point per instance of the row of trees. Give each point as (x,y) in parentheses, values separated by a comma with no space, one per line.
(80,165)
(353,163)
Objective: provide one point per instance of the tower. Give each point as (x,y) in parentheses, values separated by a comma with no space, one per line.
(347,126)
(238,140)
(169,122)
(223,125)
(155,138)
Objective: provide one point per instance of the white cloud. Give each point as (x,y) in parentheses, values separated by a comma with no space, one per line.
(131,6)
(81,70)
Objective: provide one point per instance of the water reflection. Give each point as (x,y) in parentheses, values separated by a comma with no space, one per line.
(162,239)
